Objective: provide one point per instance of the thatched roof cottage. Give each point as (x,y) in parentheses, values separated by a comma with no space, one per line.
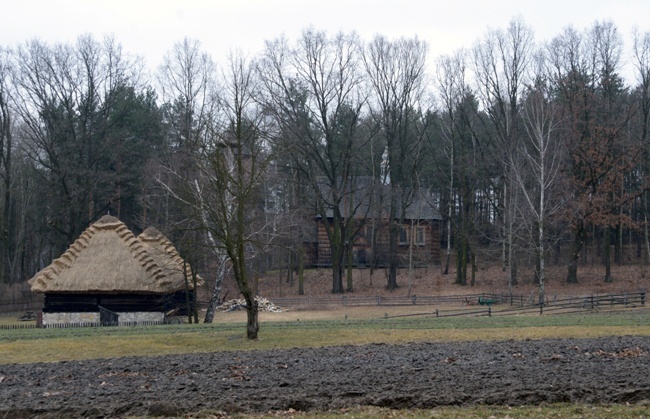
(109,276)
(166,256)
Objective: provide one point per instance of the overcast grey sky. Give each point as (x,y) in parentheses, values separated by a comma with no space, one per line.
(151,27)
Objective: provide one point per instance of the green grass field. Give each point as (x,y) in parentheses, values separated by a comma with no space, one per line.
(304,329)
(334,327)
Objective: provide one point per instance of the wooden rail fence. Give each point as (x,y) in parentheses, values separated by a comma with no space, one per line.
(513,306)
(361,301)
(567,305)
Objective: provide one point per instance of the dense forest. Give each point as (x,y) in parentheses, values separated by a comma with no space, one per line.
(534,152)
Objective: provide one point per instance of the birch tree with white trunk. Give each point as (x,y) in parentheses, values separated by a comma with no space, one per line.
(501,62)
(536,166)
(451,88)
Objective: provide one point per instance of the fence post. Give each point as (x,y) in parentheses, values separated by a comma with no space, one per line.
(643,298)
(489,311)
(437,313)
(541,308)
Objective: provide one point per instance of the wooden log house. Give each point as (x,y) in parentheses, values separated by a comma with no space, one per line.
(419,239)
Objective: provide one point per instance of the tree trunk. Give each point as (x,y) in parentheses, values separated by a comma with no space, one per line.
(541,274)
(512,262)
(473,256)
(6,225)
(290,269)
(349,240)
(393,239)
(445,270)
(618,248)
(374,257)
(241,277)
(195,307)
(212,306)
(464,253)
(450,209)
(252,317)
(187,292)
(461,262)
(411,239)
(393,256)
(504,258)
(646,229)
(337,249)
(350,259)
(216,292)
(576,247)
(5,160)
(607,253)
(337,271)
(537,231)
(301,271)
(513,271)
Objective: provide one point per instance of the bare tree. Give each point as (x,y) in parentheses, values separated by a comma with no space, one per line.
(187,80)
(222,190)
(536,165)
(313,93)
(569,72)
(501,62)
(6,148)
(642,64)
(396,73)
(451,87)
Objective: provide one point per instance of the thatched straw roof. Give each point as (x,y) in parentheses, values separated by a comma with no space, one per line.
(106,258)
(166,256)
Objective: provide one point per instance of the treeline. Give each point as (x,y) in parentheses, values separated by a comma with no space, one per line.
(533,152)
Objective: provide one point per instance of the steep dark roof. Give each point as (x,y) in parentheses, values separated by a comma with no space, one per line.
(371,199)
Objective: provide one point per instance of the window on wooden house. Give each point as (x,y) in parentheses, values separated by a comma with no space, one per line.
(403,236)
(368,232)
(419,236)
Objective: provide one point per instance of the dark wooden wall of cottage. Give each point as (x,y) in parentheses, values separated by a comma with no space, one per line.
(324,250)
(80,303)
(425,254)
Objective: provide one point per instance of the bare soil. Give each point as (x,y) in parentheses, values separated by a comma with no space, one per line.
(422,375)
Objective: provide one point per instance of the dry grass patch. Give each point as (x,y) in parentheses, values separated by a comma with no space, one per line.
(12,319)
(46,345)
(339,312)
(550,411)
